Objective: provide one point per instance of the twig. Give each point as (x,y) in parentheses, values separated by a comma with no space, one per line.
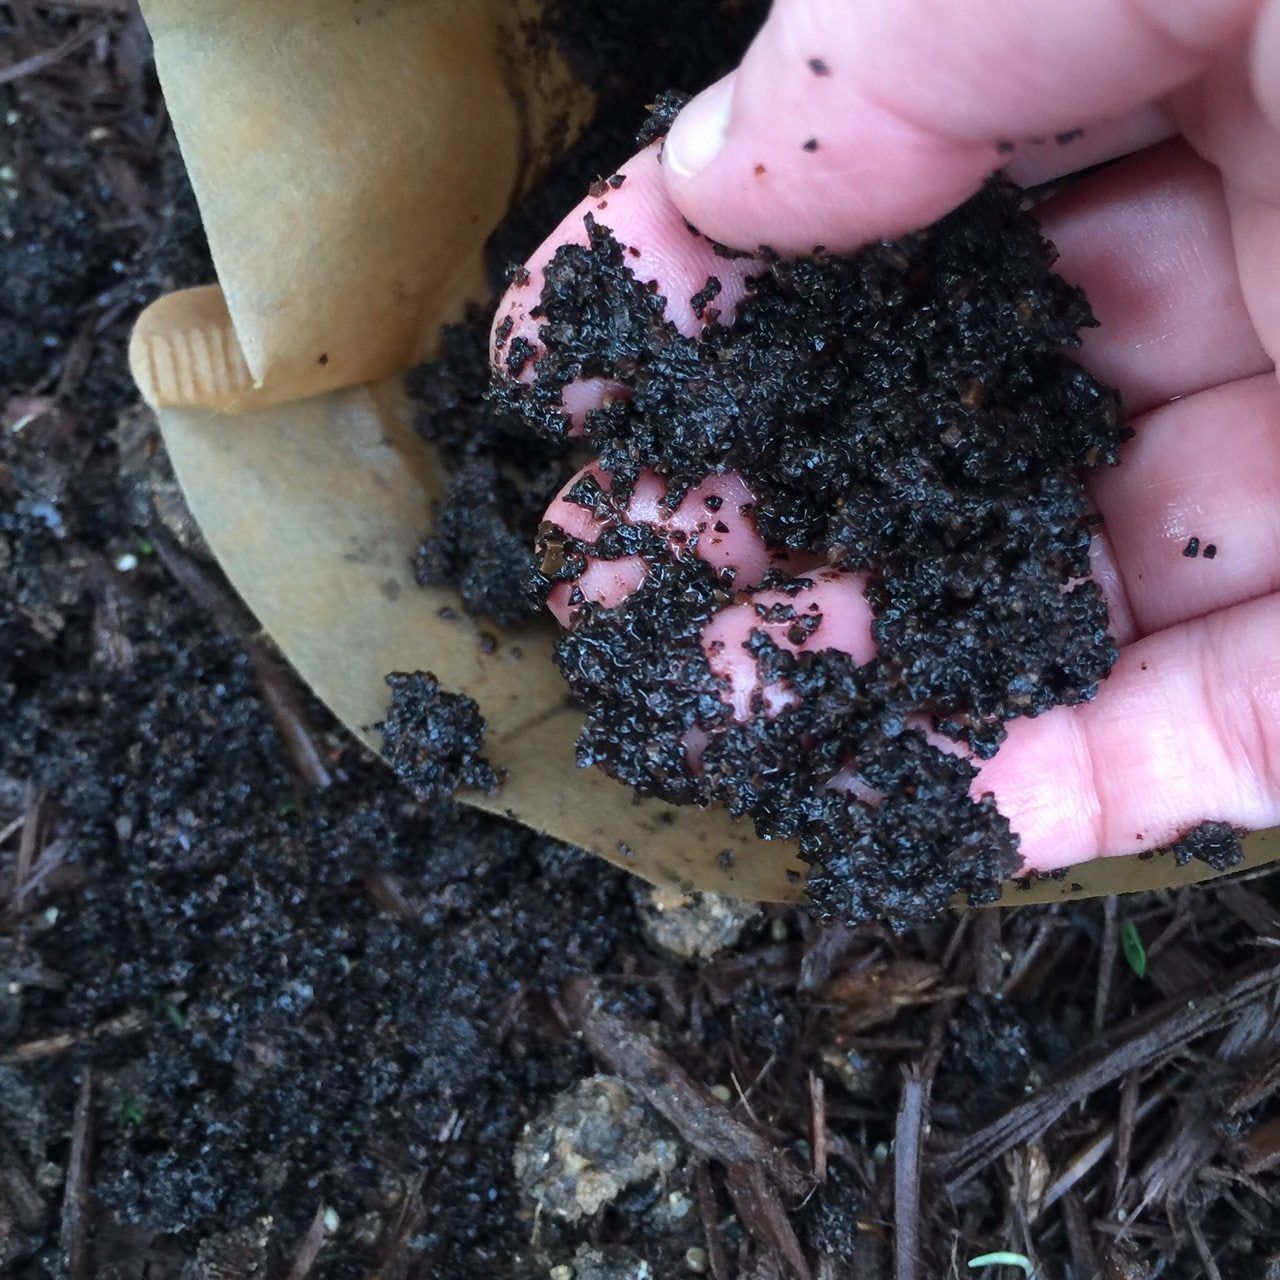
(953,942)
(1164,1029)
(1211,1271)
(1126,1126)
(761,1212)
(74,1231)
(50,1046)
(310,1247)
(908,1140)
(1028,955)
(46,58)
(717,1260)
(986,952)
(1087,1157)
(1084,1257)
(50,859)
(818,1114)
(700,1118)
(1106,961)
(27,845)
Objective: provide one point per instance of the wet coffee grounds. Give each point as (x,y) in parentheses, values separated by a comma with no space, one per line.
(432,738)
(502,475)
(906,412)
(1216,843)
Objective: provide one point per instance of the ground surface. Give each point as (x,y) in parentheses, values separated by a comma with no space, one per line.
(261,1015)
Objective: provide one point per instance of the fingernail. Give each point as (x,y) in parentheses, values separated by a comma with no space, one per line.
(697,136)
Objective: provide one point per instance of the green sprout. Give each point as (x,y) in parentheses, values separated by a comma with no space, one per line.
(130,1112)
(1003,1260)
(1134,952)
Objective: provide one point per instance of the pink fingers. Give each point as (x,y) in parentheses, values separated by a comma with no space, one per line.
(832,613)
(714,521)
(1186,728)
(1149,240)
(1206,467)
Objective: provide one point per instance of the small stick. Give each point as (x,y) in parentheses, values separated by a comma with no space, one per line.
(47,57)
(986,952)
(908,1139)
(27,845)
(278,690)
(73,1233)
(818,1112)
(1106,961)
(716,1258)
(310,1247)
(1147,1038)
(761,1212)
(1126,1126)
(50,1046)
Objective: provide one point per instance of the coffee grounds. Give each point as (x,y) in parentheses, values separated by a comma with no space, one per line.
(432,739)
(907,412)
(502,475)
(1216,843)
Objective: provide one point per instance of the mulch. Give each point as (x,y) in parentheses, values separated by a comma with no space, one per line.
(262,927)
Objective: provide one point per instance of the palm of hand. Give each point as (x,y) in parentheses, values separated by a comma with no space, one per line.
(1187,728)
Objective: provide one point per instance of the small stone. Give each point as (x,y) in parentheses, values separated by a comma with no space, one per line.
(590,1263)
(679,1204)
(669,1215)
(592,1142)
(127,563)
(331,1220)
(722,1092)
(696,1260)
(692,926)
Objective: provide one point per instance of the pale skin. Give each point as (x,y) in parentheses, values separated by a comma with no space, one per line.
(912,104)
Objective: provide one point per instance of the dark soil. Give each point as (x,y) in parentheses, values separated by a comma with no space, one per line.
(244,978)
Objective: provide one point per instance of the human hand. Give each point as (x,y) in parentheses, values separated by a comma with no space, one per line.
(1178,248)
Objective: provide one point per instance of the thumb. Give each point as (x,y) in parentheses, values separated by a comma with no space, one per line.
(851,120)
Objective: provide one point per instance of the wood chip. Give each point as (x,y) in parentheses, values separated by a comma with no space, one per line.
(701,1119)
(1146,1039)
(762,1213)
(913,1106)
